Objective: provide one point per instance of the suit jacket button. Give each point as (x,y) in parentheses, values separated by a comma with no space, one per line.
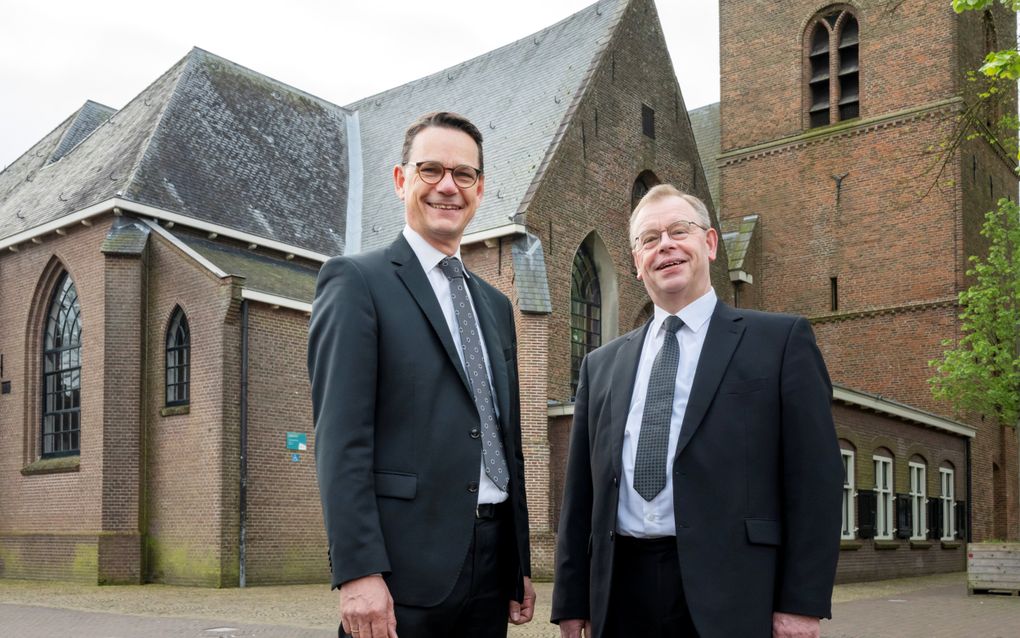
(475,433)
(611,535)
(615,482)
(473,486)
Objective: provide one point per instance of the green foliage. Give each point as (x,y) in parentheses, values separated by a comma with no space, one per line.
(981,371)
(960,6)
(1002,65)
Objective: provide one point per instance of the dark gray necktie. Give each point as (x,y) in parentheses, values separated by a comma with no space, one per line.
(653,442)
(478,376)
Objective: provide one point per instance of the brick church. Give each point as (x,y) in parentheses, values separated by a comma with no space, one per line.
(157,267)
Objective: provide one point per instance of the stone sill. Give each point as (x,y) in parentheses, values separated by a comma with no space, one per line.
(951,544)
(53,465)
(849,545)
(174,410)
(919,544)
(887,544)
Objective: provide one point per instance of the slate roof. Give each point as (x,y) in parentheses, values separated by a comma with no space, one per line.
(263,272)
(705,124)
(209,139)
(736,235)
(518,95)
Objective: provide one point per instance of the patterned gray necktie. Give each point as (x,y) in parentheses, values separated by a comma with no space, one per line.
(653,442)
(474,365)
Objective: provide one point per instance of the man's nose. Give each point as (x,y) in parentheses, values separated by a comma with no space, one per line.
(446,185)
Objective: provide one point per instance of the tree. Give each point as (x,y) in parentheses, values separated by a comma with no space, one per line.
(981,371)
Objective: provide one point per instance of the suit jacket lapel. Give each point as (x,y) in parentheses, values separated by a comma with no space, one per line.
(624,372)
(724,332)
(409,270)
(493,348)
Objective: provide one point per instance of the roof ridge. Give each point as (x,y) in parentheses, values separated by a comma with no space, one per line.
(571,110)
(143,148)
(491,52)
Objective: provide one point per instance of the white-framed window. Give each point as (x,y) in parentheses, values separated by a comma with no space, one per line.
(947,480)
(918,500)
(884,519)
(849,529)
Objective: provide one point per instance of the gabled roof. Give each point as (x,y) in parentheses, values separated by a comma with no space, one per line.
(210,140)
(518,95)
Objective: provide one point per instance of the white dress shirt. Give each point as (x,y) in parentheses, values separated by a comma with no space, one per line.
(429,257)
(636,516)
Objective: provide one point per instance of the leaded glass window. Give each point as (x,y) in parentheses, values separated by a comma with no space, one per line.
(61,419)
(585,311)
(178,359)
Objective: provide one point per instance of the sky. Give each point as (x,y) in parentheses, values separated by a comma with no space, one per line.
(56,54)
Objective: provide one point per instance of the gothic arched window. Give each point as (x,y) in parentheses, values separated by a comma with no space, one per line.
(585,311)
(644,183)
(61,419)
(832,46)
(178,359)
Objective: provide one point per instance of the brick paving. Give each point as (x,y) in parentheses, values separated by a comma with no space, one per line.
(925,607)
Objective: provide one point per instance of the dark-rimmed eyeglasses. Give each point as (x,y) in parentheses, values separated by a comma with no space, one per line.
(432,172)
(677,231)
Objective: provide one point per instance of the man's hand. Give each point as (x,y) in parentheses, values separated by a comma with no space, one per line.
(366,608)
(575,628)
(794,626)
(521,612)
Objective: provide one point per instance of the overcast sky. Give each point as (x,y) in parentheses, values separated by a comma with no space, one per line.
(55,54)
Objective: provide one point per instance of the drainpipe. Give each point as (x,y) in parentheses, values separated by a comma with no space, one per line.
(243,490)
(969,536)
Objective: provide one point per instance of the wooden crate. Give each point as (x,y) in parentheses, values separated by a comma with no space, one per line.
(993,568)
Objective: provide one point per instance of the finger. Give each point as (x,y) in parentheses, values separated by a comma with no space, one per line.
(528,608)
(587,629)
(380,628)
(515,612)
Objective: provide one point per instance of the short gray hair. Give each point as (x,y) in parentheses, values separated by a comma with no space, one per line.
(664,191)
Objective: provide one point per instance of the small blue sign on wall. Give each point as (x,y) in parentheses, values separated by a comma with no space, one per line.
(295,458)
(297,441)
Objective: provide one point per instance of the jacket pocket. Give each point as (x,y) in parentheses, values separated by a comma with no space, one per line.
(396,484)
(764,531)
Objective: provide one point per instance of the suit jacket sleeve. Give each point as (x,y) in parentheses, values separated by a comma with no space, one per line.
(571,595)
(812,479)
(342,360)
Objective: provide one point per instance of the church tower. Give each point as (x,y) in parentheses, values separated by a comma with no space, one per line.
(835,120)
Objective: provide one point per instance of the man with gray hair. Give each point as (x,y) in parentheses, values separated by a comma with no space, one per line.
(702,493)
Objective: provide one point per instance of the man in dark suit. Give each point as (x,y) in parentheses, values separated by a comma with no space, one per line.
(413,366)
(702,494)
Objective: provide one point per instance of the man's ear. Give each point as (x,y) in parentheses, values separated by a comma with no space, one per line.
(398,180)
(712,239)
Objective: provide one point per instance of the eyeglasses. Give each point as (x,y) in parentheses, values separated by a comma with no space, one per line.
(677,231)
(432,172)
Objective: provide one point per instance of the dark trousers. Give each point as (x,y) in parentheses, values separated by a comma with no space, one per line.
(646,598)
(478,606)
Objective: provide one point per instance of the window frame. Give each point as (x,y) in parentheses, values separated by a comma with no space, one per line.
(947,477)
(832,67)
(849,529)
(918,499)
(178,327)
(885,516)
(55,362)
(586,327)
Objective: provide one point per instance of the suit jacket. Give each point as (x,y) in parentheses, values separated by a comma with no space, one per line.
(396,430)
(757,478)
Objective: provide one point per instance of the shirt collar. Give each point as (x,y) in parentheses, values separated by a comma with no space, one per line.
(694,315)
(428,255)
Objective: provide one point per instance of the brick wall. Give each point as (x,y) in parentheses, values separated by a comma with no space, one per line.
(188,468)
(286,541)
(51,521)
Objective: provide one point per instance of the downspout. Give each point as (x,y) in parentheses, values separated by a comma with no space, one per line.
(969,536)
(243,491)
